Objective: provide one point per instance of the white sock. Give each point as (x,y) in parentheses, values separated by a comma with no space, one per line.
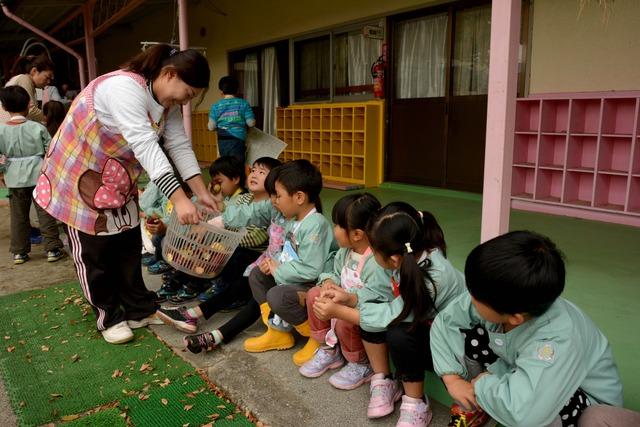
(217,336)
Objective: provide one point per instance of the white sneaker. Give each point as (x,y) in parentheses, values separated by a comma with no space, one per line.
(152,319)
(118,333)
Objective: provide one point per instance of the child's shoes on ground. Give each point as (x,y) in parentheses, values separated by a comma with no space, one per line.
(159,267)
(152,319)
(54,255)
(351,376)
(462,418)
(414,413)
(118,334)
(179,319)
(385,392)
(20,258)
(200,342)
(217,287)
(148,259)
(325,358)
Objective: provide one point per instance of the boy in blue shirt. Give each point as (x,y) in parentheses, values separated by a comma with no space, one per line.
(230,117)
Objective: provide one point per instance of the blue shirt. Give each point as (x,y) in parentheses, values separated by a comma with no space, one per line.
(231,117)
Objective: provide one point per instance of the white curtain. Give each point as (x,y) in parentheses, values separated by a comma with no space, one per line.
(471,52)
(354,56)
(250,83)
(270,89)
(421,57)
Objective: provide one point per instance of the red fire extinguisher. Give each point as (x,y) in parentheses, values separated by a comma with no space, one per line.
(377,72)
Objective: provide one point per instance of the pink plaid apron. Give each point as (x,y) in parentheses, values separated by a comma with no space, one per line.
(89,175)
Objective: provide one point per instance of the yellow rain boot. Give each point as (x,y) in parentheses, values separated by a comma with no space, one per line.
(264,312)
(270,340)
(306,353)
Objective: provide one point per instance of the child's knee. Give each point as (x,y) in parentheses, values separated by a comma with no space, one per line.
(312,294)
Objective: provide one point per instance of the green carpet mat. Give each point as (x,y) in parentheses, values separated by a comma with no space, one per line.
(108,417)
(55,364)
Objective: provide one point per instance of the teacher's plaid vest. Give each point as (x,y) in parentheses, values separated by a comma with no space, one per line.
(89,175)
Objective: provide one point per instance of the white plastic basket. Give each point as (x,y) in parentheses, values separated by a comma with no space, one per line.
(200,250)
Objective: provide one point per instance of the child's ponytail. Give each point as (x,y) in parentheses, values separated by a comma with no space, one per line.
(394,232)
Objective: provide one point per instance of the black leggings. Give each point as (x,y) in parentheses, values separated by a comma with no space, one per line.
(241,321)
(409,349)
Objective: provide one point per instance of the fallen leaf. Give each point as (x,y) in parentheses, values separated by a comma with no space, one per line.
(70,417)
(44,348)
(117,373)
(221,407)
(22,404)
(143,396)
(7,337)
(187,407)
(207,425)
(229,417)
(185,425)
(47,337)
(22,342)
(64,341)
(164,401)
(10,349)
(75,358)
(56,395)
(145,367)
(214,416)
(55,327)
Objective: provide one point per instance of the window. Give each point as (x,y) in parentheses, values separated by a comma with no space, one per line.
(337,65)
(471,51)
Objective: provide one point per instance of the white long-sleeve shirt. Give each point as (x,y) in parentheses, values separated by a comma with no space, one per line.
(124,107)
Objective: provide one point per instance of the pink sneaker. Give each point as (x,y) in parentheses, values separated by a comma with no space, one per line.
(414,413)
(384,393)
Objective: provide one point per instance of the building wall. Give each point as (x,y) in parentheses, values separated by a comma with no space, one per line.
(574,52)
(569,51)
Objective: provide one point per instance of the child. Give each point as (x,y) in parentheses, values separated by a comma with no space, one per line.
(423,281)
(54,113)
(157,209)
(230,116)
(186,320)
(307,251)
(24,143)
(513,348)
(354,267)
(227,180)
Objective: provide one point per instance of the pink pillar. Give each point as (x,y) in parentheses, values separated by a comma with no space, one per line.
(183,28)
(87,12)
(501,110)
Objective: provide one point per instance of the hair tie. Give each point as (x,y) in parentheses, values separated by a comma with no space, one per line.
(408,246)
(173,52)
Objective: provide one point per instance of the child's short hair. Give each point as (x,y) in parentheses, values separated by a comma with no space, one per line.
(302,175)
(270,181)
(229,166)
(353,211)
(518,272)
(15,99)
(268,162)
(229,85)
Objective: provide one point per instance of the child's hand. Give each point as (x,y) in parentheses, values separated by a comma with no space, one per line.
(337,295)
(264,267)
(272,265)
(482,374)
(156,227)
(324,308)
(329,284)
(461,391)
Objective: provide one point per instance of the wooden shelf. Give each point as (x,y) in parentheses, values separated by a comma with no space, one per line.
(344,140)
(579,151)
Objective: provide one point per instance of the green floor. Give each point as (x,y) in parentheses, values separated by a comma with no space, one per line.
(603,268)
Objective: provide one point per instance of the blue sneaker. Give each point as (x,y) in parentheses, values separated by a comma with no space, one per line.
(159,267)
(148,259)
(217,287)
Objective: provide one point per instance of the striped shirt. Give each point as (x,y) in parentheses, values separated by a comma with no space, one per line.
(256,237)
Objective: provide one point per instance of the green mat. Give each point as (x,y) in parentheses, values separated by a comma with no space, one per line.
(56,365)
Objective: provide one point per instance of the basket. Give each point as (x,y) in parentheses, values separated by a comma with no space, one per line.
(200,250)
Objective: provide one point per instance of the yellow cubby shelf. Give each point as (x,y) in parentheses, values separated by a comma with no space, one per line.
(345,140)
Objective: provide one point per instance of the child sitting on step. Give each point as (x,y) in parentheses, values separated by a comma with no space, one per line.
(512,349)
(423,282)
(354,268)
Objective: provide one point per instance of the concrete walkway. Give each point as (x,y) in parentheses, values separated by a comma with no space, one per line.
(269,385)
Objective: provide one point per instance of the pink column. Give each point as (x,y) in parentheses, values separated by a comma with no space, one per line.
(183,28)
(501,110)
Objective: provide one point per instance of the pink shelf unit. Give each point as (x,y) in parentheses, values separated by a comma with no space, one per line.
(578,154)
